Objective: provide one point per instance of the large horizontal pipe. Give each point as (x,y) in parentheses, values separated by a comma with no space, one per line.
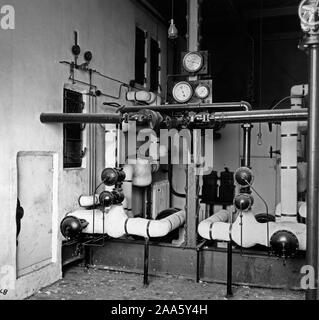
(247,232)
(227,106)
(225,117)
(261,116)
(117,224)
(80,118)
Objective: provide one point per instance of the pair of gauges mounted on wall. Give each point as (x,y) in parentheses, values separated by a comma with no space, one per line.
(184,91)
(193,64)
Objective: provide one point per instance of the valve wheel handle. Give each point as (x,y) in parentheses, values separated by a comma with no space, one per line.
(313,9)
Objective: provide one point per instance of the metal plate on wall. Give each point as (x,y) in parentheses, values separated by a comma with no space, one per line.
(35,192)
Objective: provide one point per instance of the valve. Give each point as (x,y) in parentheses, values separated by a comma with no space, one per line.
(153,118)
(309,15)
(284,244)
(76,50)
(244,176)
(118,196)
(243,202)
(167,122)
(72,227)
(111,177)
(88,56)
(107,198)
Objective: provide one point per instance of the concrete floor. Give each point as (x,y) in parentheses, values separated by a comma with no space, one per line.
(91,284)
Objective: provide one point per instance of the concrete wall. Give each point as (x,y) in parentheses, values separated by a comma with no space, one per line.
(32,82)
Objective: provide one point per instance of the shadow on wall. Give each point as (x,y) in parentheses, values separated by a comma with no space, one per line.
(19,216)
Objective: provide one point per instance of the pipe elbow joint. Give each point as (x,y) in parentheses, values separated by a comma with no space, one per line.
(203,228)
(246,105)
(163,229)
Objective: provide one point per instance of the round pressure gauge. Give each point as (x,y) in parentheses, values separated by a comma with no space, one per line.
(202,91)
(193,62)
(182,92)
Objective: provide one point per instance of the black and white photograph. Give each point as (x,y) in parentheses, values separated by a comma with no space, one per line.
(158,156)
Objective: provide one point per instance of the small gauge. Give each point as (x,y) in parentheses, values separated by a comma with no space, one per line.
(193,62)
(202,91)
(182,92)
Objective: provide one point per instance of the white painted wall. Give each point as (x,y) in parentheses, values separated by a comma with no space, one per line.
(32,82)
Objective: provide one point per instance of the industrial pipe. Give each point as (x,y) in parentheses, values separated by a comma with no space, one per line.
(128,189)
(254,232)
(88,201)
(293,174)
(242,105)
(247,144)
(225,117)
(205,227)
(260,116)
(81,118)
(313,168)
(117,224)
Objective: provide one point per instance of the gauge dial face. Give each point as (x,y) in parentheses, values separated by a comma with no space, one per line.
(193,61)
(202,91)
(182,92)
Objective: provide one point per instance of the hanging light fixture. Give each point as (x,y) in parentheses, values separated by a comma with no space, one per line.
(172,30)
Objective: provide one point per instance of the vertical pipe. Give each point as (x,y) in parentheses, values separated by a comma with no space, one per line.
(229,266)
(247,145)
(246,162)
(313,170)
(146,208)
(193,25)
(199,248)
(95,164)
(198,265)
(191,205)
(118,145)
(192,177)
(146,255)
(229,269)
(145,202)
